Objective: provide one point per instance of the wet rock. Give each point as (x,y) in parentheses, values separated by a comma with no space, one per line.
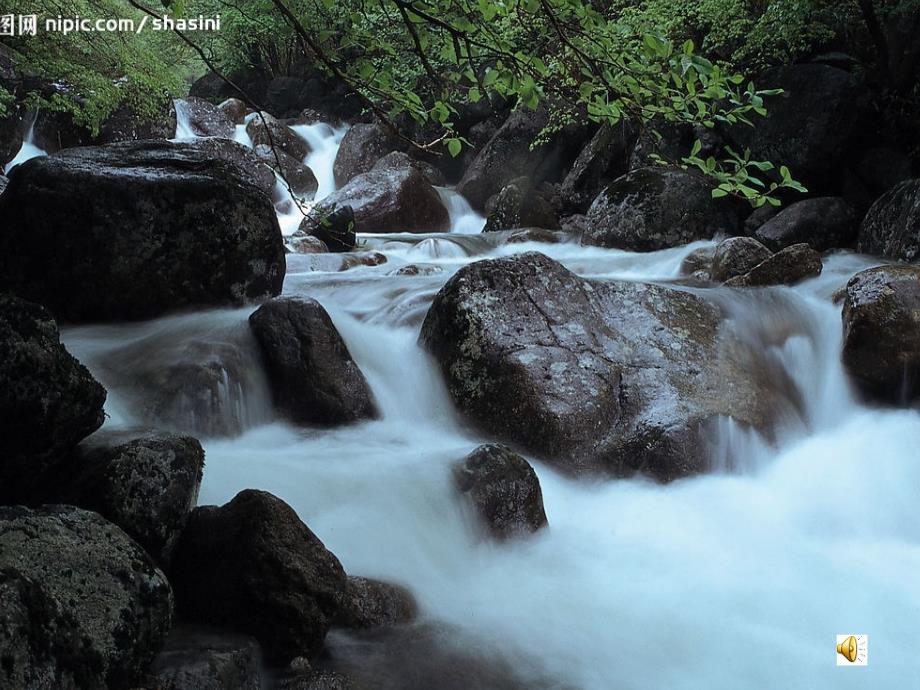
(82,604)
(881,326)
(823,223)
(699,261)
(201,658)
(3,183)
(147,485)
(673,141)
(371,604)
(758,217)
(256,171)
(299,177)
(265,129)
(49,401)
(736,256)
(362,146)
(252,566)
(519,205)
(787,267)
(610,377)
(503,490)
(307,244)
(126,125)
(396,160)
(313,377)
(320,680)
(235,109)
(535,235)
(390,200)
(138,229)
(205,119)
(657,208)
(333,224)
(891,228)
(601,161)
(416,270)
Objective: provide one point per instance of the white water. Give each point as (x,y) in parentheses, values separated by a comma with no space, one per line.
(324,143)
(738,580)
(463,219)
(27,151)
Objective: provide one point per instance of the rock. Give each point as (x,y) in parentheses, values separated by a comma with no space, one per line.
(314,380)
(823,223)
(362,146)
(699,261)
(881,332)
(253,566)
(200,658)
(508,155)
(3,183)
(601,161)
(371,604)
(811,127)
(671,142)
(396,160)
(880,168)
(736,256)
(126,125)
(298,176)
(787,267)
(235,109)
(147,485)
(891,228)
(542,235)
(607,376)
(204,119)
(255,169)
(49,401)
(320,680)
(503,490)
(657,208)
(265,129)
(92,608)
(388,200)
(519,205)
(758,217)
(416,270)
(334,225)
(307,244)
(138,229)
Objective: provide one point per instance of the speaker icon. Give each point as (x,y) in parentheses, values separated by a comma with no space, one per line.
(852,650)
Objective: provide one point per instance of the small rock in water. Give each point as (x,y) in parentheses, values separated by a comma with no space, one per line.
(503,490)
(699,261)
(201,658)
(787,267)
(235,109)
(334,226)
(266,129)
(736,256)
(370,603)
(307,244)
(298,176)
(206,119)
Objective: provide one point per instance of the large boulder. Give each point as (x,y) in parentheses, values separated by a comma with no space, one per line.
(265,129)
(203,119)
(519,205)
(147,485)
(244,158)
(202,658)
(610,377)
(787,267)
(823,223)
(137,229)
(313,377)
(736,256)
(601,161)
(362,146)
(812,126)
(881,327)
(334,226)
(503,491)
(891,228)
(371,604)
(657,208)
(254,567)
(81,605)
(509,155)
(124,124)
(49,401)
(389,199)
(298,176)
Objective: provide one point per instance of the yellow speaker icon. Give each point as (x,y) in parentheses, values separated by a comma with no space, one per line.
(848,649)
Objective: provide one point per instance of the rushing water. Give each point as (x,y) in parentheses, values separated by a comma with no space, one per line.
(739,579)
(27,150)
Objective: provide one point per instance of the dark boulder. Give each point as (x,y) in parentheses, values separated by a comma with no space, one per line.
(787,267)
(82,604)
(608,376)
(671,142)
(519,205)
(758,217)
(880,168)
(243,157)
(823,223)
(390,200)
(201,658)
(503,490)
(147,485)
(314,380)
(252,566)
(362,146)
(601,161)
(881,327)
(124,124)
(204,119)
(370,604)
(235,109)
(299,177)
(891,228)
(657,208)
(265,129)
(138,229)
(396,160)
(736,256)
(334,225)
(49,401)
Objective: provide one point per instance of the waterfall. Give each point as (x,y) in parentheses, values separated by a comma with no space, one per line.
(27,150)
(324,143)
(184,129)
(463,219)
